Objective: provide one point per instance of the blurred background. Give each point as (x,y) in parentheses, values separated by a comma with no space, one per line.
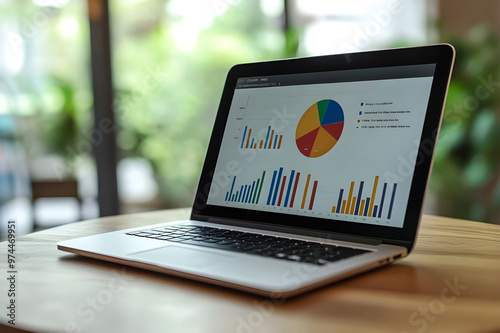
(169,59)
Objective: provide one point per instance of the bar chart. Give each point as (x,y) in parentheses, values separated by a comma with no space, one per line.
(251,140)
(285,192)
(352,202)
(247,193)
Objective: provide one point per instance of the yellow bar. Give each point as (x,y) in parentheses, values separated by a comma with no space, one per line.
(372,200)
(353,205)
(305,191)
(334,209)
(343,207)
(349,198)
(362,208)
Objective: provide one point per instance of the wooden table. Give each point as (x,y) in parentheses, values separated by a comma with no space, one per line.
(450,283)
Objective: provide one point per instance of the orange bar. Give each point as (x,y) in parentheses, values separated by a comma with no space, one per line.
(261,143)
(279,142)
(334,209)
(255,146)
(305,191)
(372,200)
(271,139)
(353,205)
(362,208)
(342,210)
(248,139)
(349,198)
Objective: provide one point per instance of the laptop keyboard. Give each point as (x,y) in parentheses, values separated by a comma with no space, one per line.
(262,245)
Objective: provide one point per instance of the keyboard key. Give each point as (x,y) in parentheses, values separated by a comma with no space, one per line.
(142,234)
(134,232)
(251,243)
(164,237)
(176,240)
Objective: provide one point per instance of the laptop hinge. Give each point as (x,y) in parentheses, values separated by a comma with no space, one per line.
(296,230)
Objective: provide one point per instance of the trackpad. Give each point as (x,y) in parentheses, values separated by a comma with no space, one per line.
(181,257)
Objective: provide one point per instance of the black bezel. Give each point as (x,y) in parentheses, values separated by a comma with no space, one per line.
(442,55)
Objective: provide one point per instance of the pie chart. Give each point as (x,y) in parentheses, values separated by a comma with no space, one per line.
(319,129)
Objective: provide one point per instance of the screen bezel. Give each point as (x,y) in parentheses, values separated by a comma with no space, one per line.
(441,55)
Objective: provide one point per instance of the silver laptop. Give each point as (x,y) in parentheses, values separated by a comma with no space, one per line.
(316,171)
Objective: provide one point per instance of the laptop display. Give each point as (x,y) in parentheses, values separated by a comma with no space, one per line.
(339,145)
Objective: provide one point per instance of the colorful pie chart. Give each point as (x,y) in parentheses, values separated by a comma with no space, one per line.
(319,129)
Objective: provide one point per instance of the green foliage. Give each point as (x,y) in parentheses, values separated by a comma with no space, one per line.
(49,87)
(466,173)
(292,37)
(62,129)
(167,117)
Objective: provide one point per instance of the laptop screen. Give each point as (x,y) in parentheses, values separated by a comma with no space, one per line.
(338,145)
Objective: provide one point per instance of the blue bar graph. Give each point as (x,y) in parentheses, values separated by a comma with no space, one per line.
(254,140)
(369,206)
(271,188)
(276,187)
(283,189)
(392,201)
(250,196)
(267,136)
(358,201)
(243,138)
(382,201)
(241,193)
(289,189)
(366,206)
(339,204)
(232,187)
(248,193)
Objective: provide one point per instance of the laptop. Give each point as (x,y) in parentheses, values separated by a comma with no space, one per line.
(316,171)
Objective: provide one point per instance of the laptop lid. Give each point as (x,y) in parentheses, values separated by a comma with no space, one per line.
(338,144)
